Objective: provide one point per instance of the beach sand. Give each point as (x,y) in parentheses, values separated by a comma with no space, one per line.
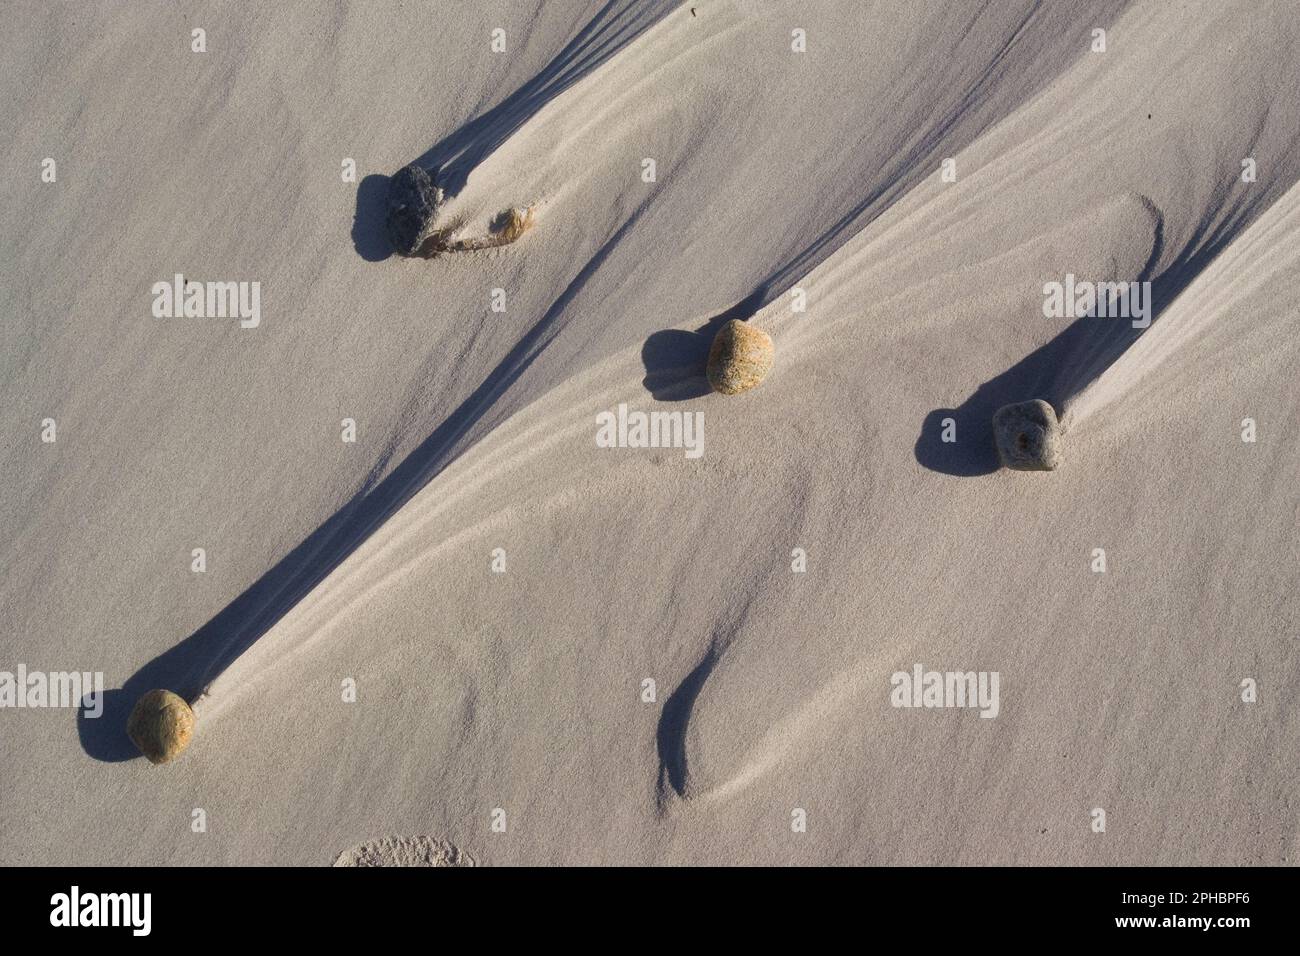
(476,629)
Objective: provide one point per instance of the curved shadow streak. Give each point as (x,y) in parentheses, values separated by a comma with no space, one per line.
(453,158)
(670,735)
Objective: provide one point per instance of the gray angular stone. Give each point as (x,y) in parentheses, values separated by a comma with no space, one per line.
(413,201)
(1028,436)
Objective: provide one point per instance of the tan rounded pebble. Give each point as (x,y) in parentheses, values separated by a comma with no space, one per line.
(161,725)
(740,358)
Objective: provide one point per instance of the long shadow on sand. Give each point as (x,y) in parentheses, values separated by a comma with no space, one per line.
(453,158)
(670,358)
(1044,374)
(194,663)
(1080,353)
(674,359)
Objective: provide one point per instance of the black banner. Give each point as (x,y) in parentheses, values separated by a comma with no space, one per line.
(1177,905)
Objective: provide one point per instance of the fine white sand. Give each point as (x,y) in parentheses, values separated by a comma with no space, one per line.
(515,699)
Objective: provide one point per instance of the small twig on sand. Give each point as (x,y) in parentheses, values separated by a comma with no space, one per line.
(506,228)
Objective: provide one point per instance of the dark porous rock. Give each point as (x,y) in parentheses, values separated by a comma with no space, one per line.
(1028,436)
(413,202)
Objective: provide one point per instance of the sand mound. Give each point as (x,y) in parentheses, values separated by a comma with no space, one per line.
(404,851)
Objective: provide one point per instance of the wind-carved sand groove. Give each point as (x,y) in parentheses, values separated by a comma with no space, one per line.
(668,47)
(1136,227)
(404,543)
(522,691)
(331,603)
(1134,217)
(1269,246)
(412,540)
(813,721)
(872,252)
(673,782)
(583,117)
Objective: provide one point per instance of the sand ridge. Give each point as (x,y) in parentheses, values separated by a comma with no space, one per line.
(363,668)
